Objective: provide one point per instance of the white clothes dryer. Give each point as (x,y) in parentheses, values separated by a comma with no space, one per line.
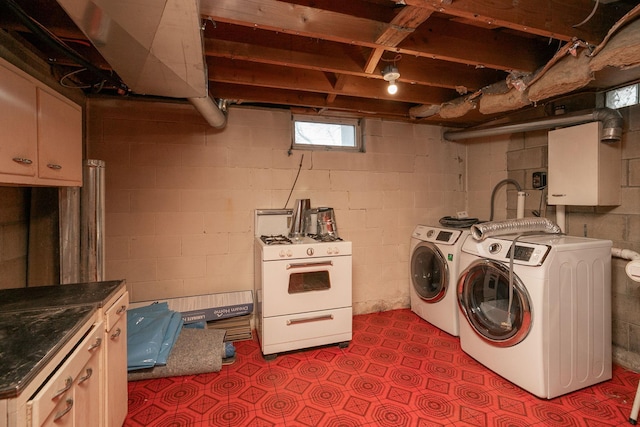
(550,332)
(434,271)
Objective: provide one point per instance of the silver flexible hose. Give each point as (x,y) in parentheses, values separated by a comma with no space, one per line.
(513,226)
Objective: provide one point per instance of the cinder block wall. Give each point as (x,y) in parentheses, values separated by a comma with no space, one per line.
(181,196)
(527,153)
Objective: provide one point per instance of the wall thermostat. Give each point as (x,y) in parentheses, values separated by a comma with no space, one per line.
(539,180)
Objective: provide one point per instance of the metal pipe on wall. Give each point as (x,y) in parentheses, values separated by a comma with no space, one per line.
(69,225)
(611,125)
(92,266)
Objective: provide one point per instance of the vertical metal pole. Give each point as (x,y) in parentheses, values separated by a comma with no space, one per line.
(92,268)
(69,227)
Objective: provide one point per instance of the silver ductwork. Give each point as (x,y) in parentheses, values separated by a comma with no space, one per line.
(210,111)
(611,125)
(155,46)
(513,226)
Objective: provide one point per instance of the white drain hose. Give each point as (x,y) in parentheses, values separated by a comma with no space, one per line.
(633,266)
(513,226)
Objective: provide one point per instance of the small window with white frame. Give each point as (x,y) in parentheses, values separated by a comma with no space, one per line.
(326,133)
(622,97)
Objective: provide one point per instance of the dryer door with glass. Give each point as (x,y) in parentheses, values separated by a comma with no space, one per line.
(499,313)
(429,272)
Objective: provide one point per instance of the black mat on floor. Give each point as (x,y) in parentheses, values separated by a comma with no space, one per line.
(196,351)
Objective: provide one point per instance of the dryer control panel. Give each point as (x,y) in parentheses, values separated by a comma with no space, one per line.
(525,253)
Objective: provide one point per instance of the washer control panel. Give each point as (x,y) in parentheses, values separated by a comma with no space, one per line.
(525,253)
(445,236)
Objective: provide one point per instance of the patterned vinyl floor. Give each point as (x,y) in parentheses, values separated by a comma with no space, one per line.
(398,371)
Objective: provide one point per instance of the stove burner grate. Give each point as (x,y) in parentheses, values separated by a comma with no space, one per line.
(325,238)
(275,240)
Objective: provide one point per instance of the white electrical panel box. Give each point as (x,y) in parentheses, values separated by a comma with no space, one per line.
(582,170)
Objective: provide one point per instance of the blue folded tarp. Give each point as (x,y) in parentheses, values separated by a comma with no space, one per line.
(152,331)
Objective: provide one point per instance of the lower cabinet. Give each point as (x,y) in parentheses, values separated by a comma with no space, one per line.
(86,384)
(116,399)
(71,397)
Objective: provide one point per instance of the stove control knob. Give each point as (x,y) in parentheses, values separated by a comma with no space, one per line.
(289,253)
(281,254)
(336,251)
(310,251)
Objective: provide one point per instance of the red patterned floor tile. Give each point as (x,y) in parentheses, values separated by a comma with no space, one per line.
(398,371)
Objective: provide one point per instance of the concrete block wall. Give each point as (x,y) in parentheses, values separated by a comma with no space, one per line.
(181,196)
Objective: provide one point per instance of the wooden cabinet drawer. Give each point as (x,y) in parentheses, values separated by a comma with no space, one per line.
(116,311)
(56,396)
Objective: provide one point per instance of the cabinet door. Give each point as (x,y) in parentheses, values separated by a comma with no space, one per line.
(18,118)
(63,397)
(116,399)
(87,393)
(582,170)
(59,139)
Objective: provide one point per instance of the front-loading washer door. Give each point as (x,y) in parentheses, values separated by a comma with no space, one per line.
(500,314)
(429,272)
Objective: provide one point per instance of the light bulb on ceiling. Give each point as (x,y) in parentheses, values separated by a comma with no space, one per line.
(392,88)
(391,74)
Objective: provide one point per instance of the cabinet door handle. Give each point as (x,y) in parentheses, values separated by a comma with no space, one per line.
(67,385)
(558,195)
(22,160)
(95,344)
(86,377)
(116,334)
(54,166)
(65,411)
(122,309)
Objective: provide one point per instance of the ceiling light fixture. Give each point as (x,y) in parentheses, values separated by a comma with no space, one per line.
(391,74)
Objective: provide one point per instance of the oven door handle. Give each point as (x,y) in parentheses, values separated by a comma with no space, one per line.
(310,264)
(310,319)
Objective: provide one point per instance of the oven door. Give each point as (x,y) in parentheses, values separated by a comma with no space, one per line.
(304,285)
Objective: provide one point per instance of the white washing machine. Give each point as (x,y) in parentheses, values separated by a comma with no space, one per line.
(434,271)
(549,333)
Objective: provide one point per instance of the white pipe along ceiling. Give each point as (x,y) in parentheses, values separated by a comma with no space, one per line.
(155,46)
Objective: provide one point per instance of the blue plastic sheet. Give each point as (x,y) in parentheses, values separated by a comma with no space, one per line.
(151,333)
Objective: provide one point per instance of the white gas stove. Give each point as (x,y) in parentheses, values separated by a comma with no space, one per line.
(302,287)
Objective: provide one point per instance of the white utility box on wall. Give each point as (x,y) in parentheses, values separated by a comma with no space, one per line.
(582,170)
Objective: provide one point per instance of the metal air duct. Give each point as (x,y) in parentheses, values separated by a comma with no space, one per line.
(211,112)
(611,125)
(155,46)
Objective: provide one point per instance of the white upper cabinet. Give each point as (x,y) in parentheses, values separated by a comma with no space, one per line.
(582,170)
(40,132)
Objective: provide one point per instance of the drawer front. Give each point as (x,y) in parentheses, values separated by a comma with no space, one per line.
(57,394)
(117,311)
(292,332)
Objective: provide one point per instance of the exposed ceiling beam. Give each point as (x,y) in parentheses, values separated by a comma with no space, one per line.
(553,19)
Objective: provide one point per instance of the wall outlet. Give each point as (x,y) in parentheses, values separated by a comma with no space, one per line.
(539,180)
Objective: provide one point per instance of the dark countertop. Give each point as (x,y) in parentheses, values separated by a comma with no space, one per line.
(36,322)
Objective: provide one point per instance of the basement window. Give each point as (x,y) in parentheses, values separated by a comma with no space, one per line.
(622,97)
(326,133)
